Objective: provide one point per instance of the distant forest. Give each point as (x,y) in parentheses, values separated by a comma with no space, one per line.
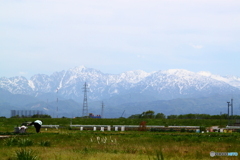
(151,114)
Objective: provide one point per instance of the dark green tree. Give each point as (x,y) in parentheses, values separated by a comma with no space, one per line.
(148,114)
(41,116)
(172,117)
(160,116)
(135,116)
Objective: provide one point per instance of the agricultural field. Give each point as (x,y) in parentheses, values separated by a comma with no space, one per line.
(67,143)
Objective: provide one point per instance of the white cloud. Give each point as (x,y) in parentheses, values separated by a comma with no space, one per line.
(21,73)
(141,56)
(197,46)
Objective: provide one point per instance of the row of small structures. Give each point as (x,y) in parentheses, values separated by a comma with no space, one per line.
(197,129)
(130,127)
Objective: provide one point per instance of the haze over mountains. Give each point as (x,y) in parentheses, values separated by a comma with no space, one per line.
(174,91)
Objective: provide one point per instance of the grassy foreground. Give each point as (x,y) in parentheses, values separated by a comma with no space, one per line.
(65,144)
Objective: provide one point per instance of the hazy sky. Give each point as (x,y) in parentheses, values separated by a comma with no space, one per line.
(114,36)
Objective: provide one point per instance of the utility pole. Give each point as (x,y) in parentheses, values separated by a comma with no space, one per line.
(123,113)
(57,102)
(102,110)
(228,111)
(85,103)
(232,121)
(220,119)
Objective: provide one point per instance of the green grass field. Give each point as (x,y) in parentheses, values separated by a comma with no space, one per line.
(68,144)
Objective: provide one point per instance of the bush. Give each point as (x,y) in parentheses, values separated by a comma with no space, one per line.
(11,141)
(14,141)
(26,154)
(45,143)
(183,130)
(25,142)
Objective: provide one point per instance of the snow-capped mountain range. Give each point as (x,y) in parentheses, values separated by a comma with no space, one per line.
(168,84)
(173,91)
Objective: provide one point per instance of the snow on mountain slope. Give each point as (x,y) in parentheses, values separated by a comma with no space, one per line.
(173,83)
(132,76)
(231,80)
(16,85)
(177,83)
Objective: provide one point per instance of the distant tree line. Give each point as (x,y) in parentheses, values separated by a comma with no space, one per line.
(148,114)
(151,114)
(202,116)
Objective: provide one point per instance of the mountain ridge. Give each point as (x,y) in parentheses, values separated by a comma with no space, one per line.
(125,88)
(58,80)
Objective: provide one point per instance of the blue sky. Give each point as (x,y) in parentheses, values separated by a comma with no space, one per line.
(44,36)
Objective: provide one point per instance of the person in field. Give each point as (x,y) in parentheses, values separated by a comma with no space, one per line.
(37,124)
(22,129)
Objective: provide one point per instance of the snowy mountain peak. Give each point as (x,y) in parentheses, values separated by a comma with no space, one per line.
(231,80)
(138,73)
(133,76)
(170,83)
(204,73)
(177,72)
(78,69)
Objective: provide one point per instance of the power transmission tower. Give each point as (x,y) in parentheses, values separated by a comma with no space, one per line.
(85,103)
